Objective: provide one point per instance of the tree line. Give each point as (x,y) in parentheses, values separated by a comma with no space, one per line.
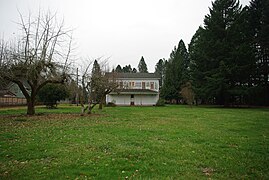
(142,68)
(227,61)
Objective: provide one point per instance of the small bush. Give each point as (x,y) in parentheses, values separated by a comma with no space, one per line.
(161,102)
(51,93)
(110,104)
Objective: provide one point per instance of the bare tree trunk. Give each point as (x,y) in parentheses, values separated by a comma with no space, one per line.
(90,110)
(101,105)
(82,106)
(89,107)
(101,102)
(30,107)
(82,111)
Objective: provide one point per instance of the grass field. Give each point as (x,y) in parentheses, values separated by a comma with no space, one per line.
(172,142)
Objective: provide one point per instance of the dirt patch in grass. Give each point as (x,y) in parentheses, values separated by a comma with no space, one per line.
(208,171)
(42,116)
(46,120)
(12,107)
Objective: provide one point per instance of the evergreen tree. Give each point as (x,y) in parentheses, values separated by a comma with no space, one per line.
(218,48)
(197,64)
(182,50)
(259,27)
(96,70)
(118,69)
(169,91)
(127,69)
(159,69)
(96,83)
(218,53)
(176,73)
(142,66)
(134,70)
(223,61)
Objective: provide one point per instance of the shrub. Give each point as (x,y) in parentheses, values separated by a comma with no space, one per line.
(51,93)
(110,104)
(161,102)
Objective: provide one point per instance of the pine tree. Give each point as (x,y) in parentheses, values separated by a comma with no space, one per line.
(142,66)
(127,69)
(118,69)
(96,82)
(217,47)
(159,69)
(182,50)
(134,70)
(259,27)
(96,70)
(176,73)
(198,64)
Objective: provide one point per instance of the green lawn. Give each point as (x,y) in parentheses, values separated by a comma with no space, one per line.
(172,142)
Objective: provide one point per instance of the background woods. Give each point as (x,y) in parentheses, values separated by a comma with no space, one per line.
(227,60)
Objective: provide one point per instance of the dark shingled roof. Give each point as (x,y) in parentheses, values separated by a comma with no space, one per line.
(6,93)
(134,91)
(136,75)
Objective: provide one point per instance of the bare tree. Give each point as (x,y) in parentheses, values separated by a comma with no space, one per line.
(39,57)
(102,82)
(187,93)
(84,90)
(96,83)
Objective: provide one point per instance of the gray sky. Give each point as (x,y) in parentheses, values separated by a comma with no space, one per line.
(123,30)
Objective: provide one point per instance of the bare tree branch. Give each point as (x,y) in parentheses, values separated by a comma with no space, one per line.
(38,57)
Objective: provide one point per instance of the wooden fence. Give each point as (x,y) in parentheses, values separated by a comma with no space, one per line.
(12,101)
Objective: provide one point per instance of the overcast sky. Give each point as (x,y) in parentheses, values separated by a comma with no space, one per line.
(123,30)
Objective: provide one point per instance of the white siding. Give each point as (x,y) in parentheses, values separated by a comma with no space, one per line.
(127,83)
(145,100)
(139,100)
(123,100)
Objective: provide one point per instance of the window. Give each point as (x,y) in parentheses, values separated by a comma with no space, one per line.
(151,85)
(138,84)
(125,84)
(143,85)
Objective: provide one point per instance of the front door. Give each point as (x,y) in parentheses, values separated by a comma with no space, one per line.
(132,100)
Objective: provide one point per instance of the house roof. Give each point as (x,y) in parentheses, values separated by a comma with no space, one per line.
(134,91)
(136,75)
(6,93)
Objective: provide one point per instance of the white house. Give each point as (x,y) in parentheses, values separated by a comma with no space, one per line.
(135,89)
